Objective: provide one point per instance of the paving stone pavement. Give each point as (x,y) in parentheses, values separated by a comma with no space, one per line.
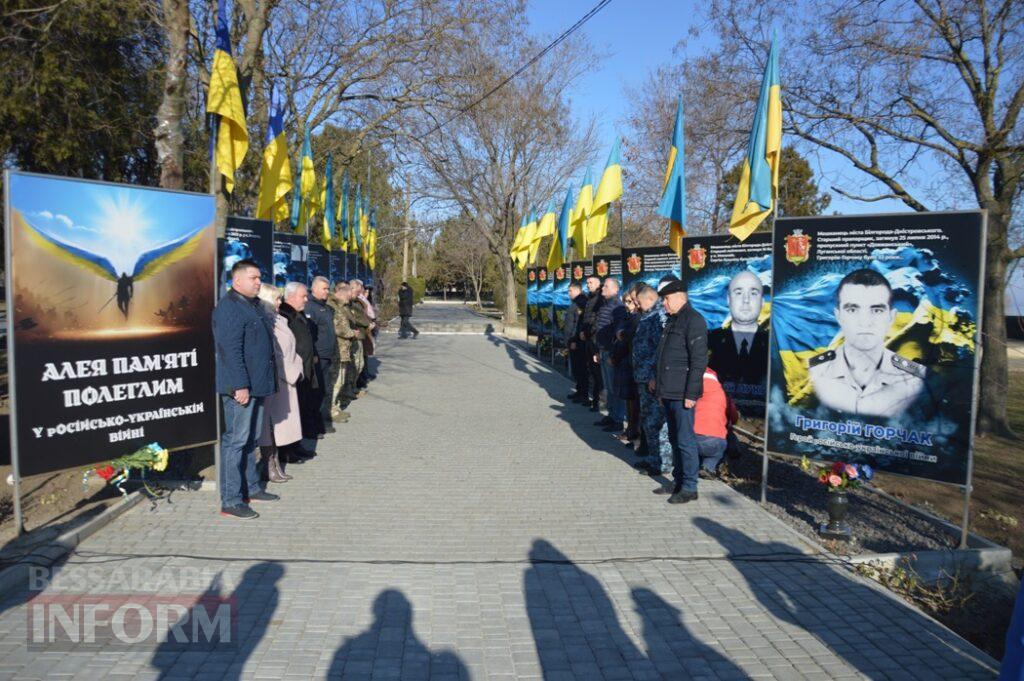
(467,523)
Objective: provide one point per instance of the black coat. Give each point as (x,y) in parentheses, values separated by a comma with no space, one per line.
(321,319)
(589,327)
(580,303)
(682,356)
(405,301)
(304,347)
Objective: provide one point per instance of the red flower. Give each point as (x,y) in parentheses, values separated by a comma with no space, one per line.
(823,478)
(838,467)
(106,472)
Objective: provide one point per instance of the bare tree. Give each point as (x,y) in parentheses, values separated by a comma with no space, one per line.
(463,250)
(516,148)
(893,87)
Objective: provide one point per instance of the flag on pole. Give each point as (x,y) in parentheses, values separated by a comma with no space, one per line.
(545,227)
(608,191)
(531,253)
(513,251)
(343,213)
(357,211)
(673,188)
(296,200)
(328,235)
(276,173)
(560,244)
(371,241)
(364,225)
(759,178)
(307,181)
(578,221)
(224,98)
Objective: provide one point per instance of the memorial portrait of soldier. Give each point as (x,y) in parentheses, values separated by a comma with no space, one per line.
(739,352)
(862,376)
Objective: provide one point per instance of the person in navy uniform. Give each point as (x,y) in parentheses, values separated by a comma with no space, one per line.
(862,376)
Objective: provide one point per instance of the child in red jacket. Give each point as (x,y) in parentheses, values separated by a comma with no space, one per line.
(714,415)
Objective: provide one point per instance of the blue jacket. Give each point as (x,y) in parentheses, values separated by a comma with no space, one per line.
(244,336)
(645,344)
(611,317)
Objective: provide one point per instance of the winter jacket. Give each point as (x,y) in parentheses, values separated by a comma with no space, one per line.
(405,301)
(714,412)
(610,319)
(593,307)
(343,330)
(244,338)
(623,384)
(322,327)
(304,347)
(645,344)
(682,356)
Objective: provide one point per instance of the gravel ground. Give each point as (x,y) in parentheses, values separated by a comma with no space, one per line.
(879,525)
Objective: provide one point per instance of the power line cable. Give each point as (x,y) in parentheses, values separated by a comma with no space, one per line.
(533,60)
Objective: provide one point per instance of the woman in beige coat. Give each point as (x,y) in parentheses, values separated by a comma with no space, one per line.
(281,423)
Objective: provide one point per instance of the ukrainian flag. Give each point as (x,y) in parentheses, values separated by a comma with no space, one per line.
(343,213)
(224,98)
(608,190)
(355,241)
(513,251)
(276,174)
(364,225)
(371,241)
(759,178)
(526,246)
(673,189)
(328,203)
(578,221)
(307,182)
(545,227)
(560,244)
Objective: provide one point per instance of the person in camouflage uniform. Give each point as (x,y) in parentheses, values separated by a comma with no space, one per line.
(344,380)
(645,362)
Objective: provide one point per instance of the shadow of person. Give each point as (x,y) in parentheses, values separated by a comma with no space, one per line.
(873,632)
(672,649)
(575,627)
(390,648)
(225,649)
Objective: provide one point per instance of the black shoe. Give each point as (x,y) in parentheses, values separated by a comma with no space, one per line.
(705,474)
(604,421)
(665,489)
(594,406)
(656,471)
(681,497)
(263,496)
(613,427)
(242,512)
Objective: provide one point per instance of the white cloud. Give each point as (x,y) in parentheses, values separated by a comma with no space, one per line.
(45,214)
(65,219)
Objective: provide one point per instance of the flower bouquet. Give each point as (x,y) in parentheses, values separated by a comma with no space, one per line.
(152,456)
(838,478)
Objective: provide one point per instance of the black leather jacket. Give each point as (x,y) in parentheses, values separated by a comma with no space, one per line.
(682,356)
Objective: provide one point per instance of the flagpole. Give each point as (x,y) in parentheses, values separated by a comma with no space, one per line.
(764,452)
(622,233)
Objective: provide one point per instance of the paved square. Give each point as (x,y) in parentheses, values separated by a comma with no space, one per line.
(467,523)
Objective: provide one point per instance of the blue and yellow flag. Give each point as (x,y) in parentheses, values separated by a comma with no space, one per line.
(328,235)
(307,182)
(343,213)
(356,245)
(364,225)
(673,188)
(608,191)
(759,178)
(546,226)
(559,252)
(532,229)
(578,220)
(513,251)
(371,241)
(224,98)
(276,173)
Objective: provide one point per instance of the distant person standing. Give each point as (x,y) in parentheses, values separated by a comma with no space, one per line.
(611,319)
(678,383)
(405,303)
(577,349)
(245,374)
(587,337)
(321,317)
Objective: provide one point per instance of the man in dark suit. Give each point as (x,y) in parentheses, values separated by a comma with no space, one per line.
(739,353)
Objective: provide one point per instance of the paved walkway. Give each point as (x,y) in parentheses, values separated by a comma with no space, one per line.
(468,524)
(449,317)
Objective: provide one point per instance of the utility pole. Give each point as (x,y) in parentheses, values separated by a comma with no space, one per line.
(405,238)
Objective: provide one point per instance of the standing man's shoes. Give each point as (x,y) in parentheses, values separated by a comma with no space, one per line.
(706,474)
(241,511)
(263,496)
(665,489)
(613,427)
(605,421)
(681,497)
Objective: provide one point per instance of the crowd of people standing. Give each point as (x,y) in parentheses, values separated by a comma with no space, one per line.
(644,356)
(289,363)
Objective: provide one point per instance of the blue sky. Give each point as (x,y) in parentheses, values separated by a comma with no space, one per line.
(633,37)
(114,221)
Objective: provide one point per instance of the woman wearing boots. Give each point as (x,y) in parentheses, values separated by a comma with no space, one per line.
(281,424)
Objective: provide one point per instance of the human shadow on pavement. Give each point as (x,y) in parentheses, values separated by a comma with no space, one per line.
(579,418)
(871,631)
(251,606)
(578,634)
(390,648)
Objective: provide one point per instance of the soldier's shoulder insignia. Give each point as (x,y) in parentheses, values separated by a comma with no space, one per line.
(909,366)
(826,356)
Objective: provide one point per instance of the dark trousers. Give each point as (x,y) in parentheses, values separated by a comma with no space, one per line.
(405,327)
(580,372)
(238,475)
(325,369)
(685,455)
(594,372)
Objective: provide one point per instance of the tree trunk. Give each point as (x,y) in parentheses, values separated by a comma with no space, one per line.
(994,378)
(511,304)
(169,138)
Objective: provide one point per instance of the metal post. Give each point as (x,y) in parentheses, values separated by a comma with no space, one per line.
(19,520)
(768,383)
(968,485)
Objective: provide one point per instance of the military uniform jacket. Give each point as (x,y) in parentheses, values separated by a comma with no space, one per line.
(895,384)
(682,356)
(645,344)
(342,330)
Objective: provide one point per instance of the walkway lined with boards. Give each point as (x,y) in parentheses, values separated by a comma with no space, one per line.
(467,523)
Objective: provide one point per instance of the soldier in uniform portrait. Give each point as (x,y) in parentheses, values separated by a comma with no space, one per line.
(739,353)
(862,376)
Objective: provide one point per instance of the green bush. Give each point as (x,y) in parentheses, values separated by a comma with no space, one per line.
(418,286)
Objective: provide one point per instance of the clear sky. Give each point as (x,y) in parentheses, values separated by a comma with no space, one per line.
(632,37)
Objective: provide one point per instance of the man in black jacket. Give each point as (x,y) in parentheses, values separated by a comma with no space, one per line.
(588,334)
(405,304)
(679,383)
(577,351)
(321,318)
(610,320)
